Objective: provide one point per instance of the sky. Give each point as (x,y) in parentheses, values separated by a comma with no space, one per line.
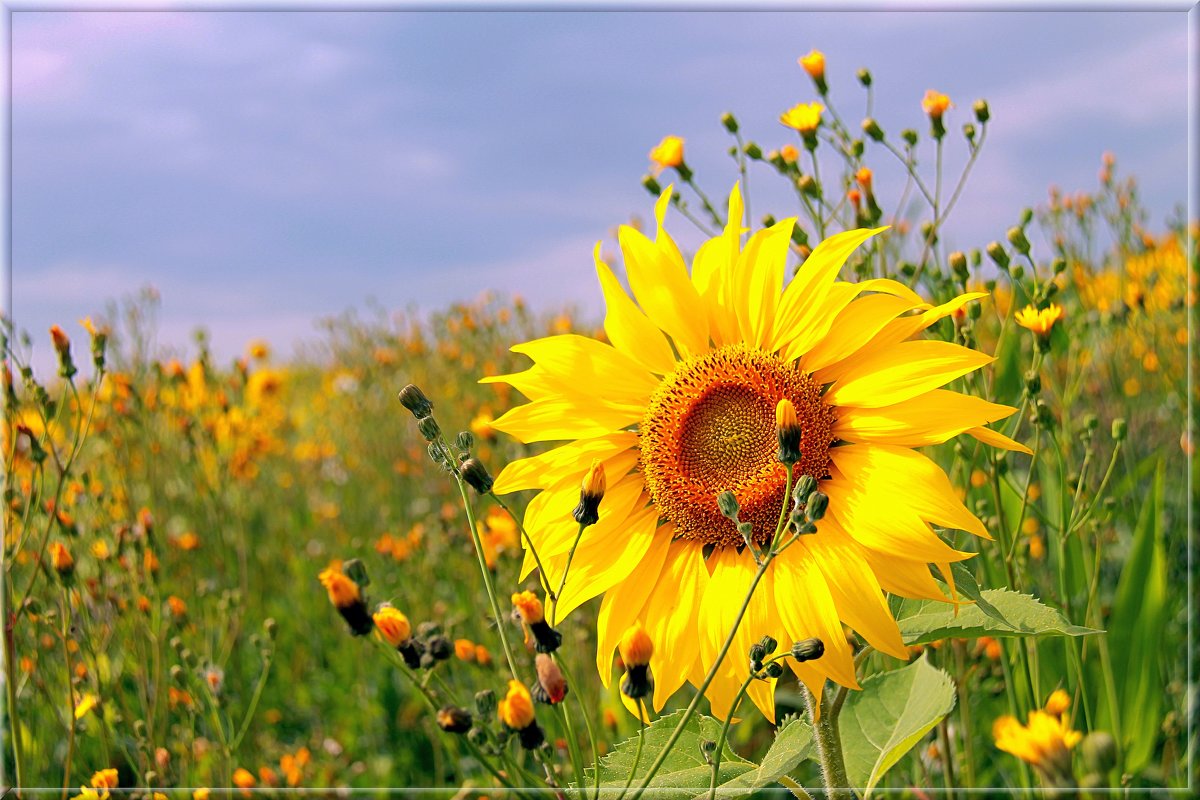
(264,169)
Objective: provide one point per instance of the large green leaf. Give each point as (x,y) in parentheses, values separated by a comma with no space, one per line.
(793,744)
(1135,632)
(686,771)
(1002,613)
(889,716)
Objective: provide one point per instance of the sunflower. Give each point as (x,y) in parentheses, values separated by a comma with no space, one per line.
(681,406)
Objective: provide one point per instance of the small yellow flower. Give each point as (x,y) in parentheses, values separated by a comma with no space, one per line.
(803,117)
(863,178)
(104,779)
(259,350)
(481,426)
(1058,703)
(529,607)
(635,646)
(202,793)
(814,65)
(464,650)
(935,104)
(85,704)
(244,779)
(516,708)
(667,154)
(392,625)
(789,153)
(177,606)
(342,591)
(1040,322)
(1037,548)
(60,559)
(1045,742)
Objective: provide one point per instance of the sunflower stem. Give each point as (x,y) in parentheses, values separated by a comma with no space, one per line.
(829,748)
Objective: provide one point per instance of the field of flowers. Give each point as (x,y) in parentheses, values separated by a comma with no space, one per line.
(269,573)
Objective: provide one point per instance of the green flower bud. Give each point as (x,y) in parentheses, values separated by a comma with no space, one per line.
(808,650)
(1120,428)
(997,253)
(730,122)
(982,113)
(871,128)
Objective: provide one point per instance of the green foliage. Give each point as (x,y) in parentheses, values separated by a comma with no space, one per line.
(1001,613)
(889,716)
(687,772)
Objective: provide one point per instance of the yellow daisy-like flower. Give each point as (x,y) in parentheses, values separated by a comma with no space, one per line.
(1044,742)
(803,117)
(1041,321)
(667,154)
(681,406)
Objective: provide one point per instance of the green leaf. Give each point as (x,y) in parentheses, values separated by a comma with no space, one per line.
(686,772)
(793,744)
(889,716)
(1003,613)
(965,585)
(1135,632)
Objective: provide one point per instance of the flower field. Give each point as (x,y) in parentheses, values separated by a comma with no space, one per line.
(818,506)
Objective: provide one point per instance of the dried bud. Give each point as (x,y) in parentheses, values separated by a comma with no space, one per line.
(552,686)
(415,401)
(453,719)
(808,650)
(476,474)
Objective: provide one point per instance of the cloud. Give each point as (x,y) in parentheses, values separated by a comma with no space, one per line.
(1138,85)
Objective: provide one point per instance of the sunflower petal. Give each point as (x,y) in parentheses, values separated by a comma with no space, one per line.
(622,605)
(670,616)
(758,279)
(997,439)
(583,363)
(889,480)
(810,611)
(903,371)
(853,328)
(930,418)
(631,331)
(552,466)
(553,419)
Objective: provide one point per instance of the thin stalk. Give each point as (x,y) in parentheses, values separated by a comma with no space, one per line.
(258,690)
(543,576)
(637,755)
(829,750)
(487,577)
(566,569)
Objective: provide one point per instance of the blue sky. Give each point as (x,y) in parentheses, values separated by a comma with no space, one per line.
(262,169)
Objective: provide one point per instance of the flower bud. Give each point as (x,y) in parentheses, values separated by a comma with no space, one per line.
(909,136)
(1016,237)
(590,495)
(805,485)
(958,263)
(774,670)
(788,432)
(652,185)
(485,702)
(415,401)
(552,686)
(982,113)
(476,475)
(864,76)
(1120,428)
(728,505)
(769,644)
(61,560)
(808,649)
(817,503)
(871,128)
(429,428)
(453,719)
(753,151)
(730,122)
(814,65)
(997,253)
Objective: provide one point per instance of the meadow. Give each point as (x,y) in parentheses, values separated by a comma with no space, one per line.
(167,517)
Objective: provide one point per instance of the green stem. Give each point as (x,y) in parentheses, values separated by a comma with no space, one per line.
(587,722)
(708,679)
(637,755)
(543,576)
(566,569)
(487,577)
(829,749)
(258,690)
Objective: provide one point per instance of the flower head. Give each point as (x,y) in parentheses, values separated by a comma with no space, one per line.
(104,779)
(1041,321)
(392,625)
(1045,742)
(814,64)
(667,154)
(346,596)
(935,104)
(803,117)
(694,368)
(61,559)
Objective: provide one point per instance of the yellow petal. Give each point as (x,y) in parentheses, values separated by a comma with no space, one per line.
(727,586)
(815,326)
(600,565)
(547,420)
(561,463)
(997,439)
(904,577)
(630,331)
(809,288)
(902,371)
(807,609)
(664,290)
(622,605)
(585,365)
(670,616)
(758,279)
(891,479)
(853,328)
(854,587)
(930,418)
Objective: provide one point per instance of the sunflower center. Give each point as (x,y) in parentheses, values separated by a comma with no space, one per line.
(710,427)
